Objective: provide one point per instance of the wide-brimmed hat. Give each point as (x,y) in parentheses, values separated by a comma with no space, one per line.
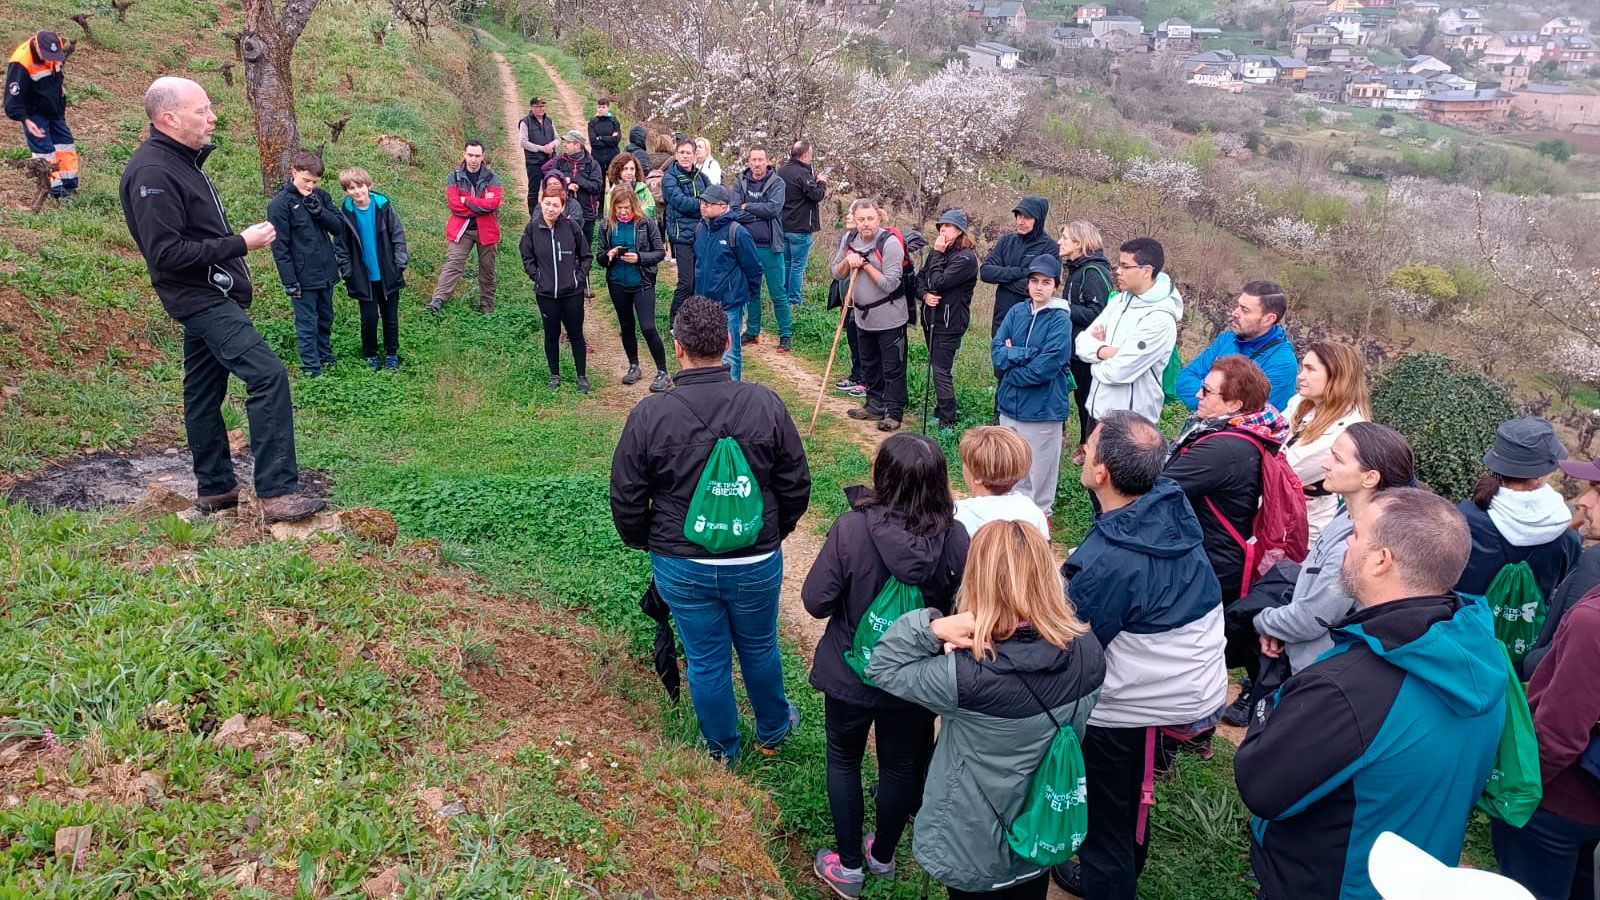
(954,217)
(1402,871)
(1583,470)
(1524,448)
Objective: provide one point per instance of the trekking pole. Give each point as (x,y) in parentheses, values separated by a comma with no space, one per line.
(827,372)
(927,380)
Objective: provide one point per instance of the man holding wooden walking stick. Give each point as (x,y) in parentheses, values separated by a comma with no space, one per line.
(872,259)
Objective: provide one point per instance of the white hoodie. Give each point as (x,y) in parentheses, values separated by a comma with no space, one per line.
(1530,518)
(976,512)
(1144,329)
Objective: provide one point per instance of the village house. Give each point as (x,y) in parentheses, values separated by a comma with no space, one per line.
(1088,12)
(1571,53)
(1325,84)
(1424,65)
(1511,48)
(990,55)
(1118,41)
(1403,92)
(1422,9)
(1349,27)
(1291,71)
(1449,82)
(1218,77)
(1313,42)
(1462,28)
(1365,90)
(999,16)
(1558,106)
(1467,107)
(1109,24)
(1174,34)
(1257,69)
(1564,25)
(1068,38)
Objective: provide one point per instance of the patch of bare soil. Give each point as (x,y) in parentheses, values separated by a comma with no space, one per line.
(58,334)
(799,375)
(124,479)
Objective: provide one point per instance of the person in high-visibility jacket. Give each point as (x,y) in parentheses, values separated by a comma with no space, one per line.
(35,97)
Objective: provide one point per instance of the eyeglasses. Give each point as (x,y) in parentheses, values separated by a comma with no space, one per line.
(1120,267)
(1207,390)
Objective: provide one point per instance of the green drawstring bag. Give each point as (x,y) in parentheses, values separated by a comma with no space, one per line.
(1515,783)
(1518,609)
(1169,376)
(894,600)
(1055,810)
(726,510)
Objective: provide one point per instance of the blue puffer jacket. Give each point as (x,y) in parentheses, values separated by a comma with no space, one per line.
(1394,729)
(1272,351)
(728,272)
(1035,373)
(681,192)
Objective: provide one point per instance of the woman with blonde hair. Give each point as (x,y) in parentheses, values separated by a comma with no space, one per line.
(1002,672)
(703,159)
(1331,395)
(1088,280)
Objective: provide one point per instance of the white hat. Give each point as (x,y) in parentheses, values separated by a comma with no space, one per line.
(1402,871)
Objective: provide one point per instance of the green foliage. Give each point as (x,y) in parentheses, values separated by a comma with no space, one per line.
(1448,411)
(1425,280)
(1472,285)
(601,62)
(1385,120)
(1122,146)
(1556,149)
(1290,199)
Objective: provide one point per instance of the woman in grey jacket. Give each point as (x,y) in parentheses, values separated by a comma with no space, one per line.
(1365,459)
(990,671)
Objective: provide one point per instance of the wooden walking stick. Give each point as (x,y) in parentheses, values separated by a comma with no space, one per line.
(827,371)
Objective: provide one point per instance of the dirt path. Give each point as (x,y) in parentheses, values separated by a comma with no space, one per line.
(511,104)
(571,101)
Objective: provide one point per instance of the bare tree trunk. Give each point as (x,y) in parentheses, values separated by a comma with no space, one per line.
(267,46)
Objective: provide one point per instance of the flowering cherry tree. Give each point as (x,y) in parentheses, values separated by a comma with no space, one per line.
(913,140)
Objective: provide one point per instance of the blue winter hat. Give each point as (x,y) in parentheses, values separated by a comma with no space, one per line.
(1046,265)
(954,217)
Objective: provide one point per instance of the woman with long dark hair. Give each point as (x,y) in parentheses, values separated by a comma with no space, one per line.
(1364,460)
(904,527)
(633,249)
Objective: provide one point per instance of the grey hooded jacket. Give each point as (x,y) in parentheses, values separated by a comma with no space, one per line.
(993,736)
(1319,599)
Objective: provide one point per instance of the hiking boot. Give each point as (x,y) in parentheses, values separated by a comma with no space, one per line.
(661,383)
(554,383)
(888,424)
(373,363)
(882,870)
(633,375)
(1069,877)
(1238,712)
(783,345)
(749,339)
(844,385)
(845,882)
(583,385)
(436,304)
(867,413)
(210,503)
(771,749)
(290,508)
(486,306)
(392,361)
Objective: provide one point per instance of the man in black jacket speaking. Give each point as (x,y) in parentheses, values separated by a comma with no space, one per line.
(721,601)
(198,270)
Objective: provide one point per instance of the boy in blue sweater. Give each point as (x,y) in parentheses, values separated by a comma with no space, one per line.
(1032,351)
(1256,334)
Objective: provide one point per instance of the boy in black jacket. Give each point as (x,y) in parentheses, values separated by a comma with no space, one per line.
(372,261)
(308,227)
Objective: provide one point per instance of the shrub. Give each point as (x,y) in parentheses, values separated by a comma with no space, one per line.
(1448,411)
(1385,120)
(1556,149)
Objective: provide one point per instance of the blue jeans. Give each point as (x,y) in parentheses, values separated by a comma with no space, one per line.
(1550,856)
(796,252)
(313,327)
(734,357)
(719,609)
(772,269)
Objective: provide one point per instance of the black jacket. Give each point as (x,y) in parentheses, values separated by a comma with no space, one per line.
(1583,579)
(541,132)
(952,275)
(308,228)
(646,242)
(864,547)
(1088,287)
(664,447)
(801,195)
(639,146)
(584,171)
(1006,266)
(605,134)
(1491,552)
(1226,471)
(556,257)
(26,96)
(176,219)
(393,255)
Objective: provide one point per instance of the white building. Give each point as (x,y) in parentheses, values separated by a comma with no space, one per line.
(991,55)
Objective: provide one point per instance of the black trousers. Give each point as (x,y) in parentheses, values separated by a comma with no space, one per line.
(388,309)
(883,364)
(942,349)
(557,313)
(1080,393)
(636,307)
(905,745)
(852,338)
(218,342)
(1111,857)
(683,252)
(1032,889)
